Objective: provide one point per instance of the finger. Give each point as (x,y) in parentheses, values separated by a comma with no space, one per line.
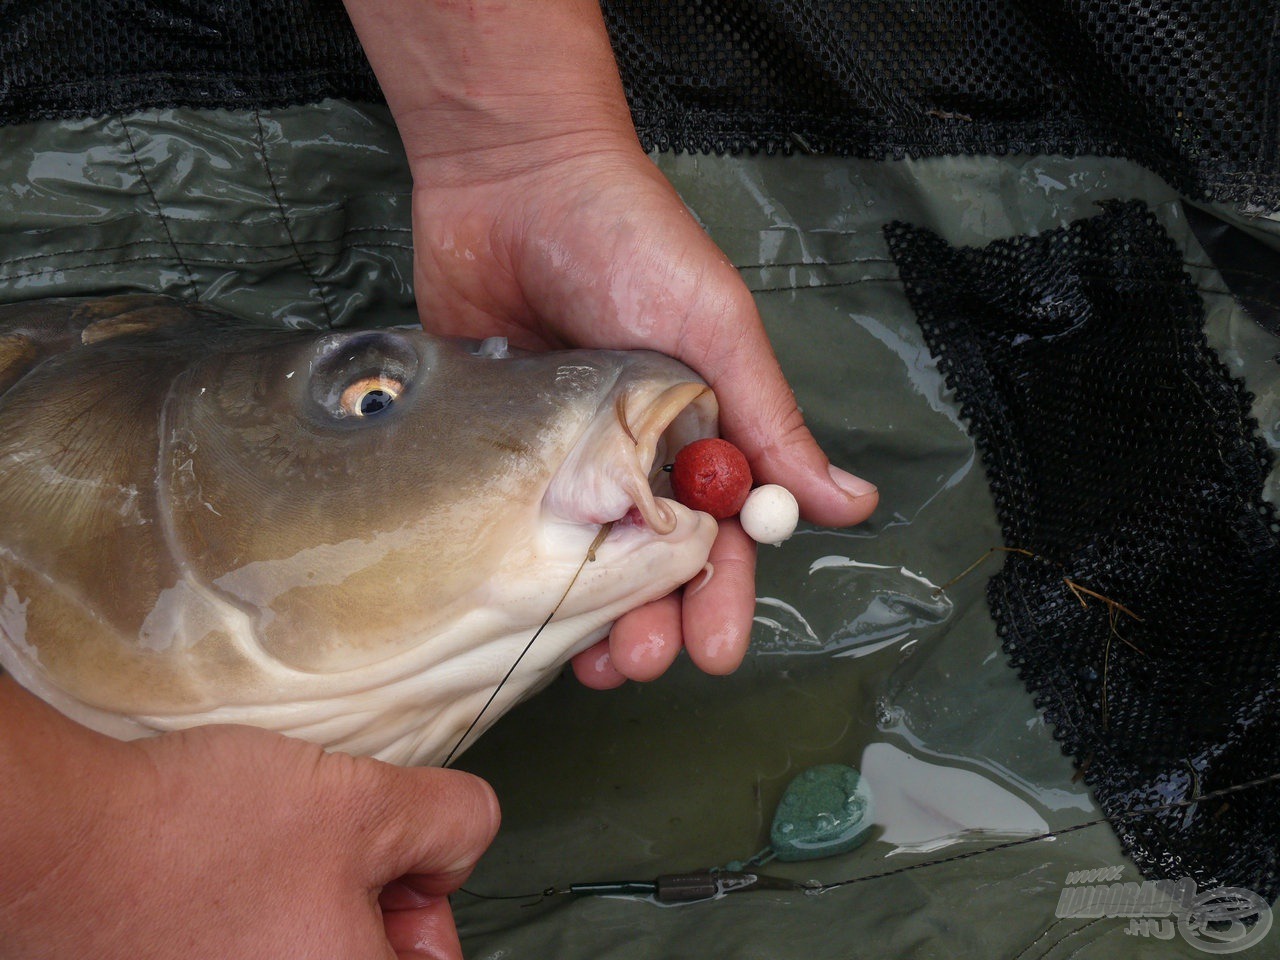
(426,932)
(427,824)
(718,609)
(594,668)
(758,411)
(646,641)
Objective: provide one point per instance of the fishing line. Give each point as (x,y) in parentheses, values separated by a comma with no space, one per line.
(619,888)
(589,558)
(715,882)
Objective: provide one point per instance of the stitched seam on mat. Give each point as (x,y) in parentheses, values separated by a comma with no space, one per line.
(231,265)
(811,263)
(323,241)
(819,264)
(164,223)
(1149,283)
(78,86)
(320,212)
(316,212)
(284,218)
(4,278)
(213,261)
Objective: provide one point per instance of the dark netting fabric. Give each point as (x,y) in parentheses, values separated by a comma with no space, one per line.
(81,58)
(1124,461)
(1187,88)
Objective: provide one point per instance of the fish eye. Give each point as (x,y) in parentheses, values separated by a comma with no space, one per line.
(369,396)
(355,378)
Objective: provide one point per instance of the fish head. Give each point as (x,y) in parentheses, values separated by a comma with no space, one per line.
(349,536)
(355,490)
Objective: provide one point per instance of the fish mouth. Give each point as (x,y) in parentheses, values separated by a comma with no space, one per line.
(614,473)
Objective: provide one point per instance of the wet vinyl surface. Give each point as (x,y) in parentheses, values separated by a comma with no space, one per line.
(857,658)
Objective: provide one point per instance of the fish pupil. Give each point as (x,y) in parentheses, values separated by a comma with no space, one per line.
(375,401)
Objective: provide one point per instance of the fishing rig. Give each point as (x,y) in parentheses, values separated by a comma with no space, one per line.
(713,883)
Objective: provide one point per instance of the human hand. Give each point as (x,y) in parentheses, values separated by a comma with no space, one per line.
(538,217)
(592,247)
(224,842)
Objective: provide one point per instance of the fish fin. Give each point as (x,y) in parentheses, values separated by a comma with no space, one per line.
(89,309)
(18,354)
(33,330)
(108,317)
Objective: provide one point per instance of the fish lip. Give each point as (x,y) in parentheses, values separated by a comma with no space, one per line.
(614,470)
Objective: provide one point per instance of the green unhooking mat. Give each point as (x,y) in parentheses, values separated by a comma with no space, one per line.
(1141,602)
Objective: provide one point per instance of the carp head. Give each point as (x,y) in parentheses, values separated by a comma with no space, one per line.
(346,536)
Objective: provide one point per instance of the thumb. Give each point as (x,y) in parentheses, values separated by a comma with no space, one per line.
(423,826)
(758,413)
(432,825)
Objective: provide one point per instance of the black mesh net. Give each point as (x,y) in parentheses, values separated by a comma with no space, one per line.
(1142,604)
(1181,86)
(72,58)
(1185,87)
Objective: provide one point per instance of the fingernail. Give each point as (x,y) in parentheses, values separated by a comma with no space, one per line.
(854,486)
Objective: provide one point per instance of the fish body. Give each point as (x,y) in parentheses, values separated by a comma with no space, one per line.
(347,536)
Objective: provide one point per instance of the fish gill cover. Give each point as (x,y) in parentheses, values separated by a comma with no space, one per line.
(1140,599)
(1183,87)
